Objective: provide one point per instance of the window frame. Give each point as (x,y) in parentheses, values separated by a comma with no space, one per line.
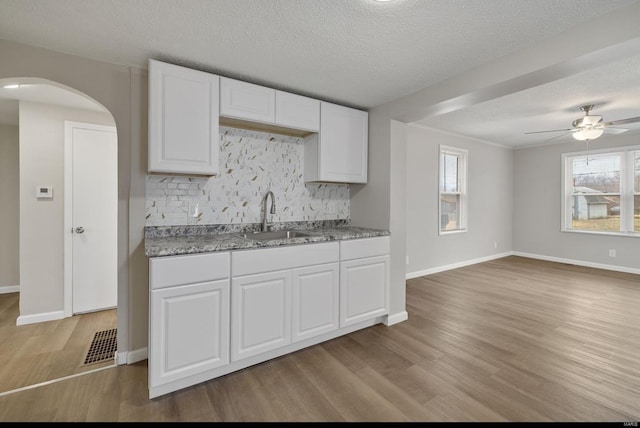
(463,156)
(627,182)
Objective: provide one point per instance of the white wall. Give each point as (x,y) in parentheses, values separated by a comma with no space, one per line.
(9,208)
(379,203)
(490,202)
(123,92)
(42,220)
(537,218)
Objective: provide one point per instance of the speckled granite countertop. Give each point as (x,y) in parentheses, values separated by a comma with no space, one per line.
(175,240)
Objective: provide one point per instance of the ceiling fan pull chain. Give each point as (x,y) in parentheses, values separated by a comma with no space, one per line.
(587,152)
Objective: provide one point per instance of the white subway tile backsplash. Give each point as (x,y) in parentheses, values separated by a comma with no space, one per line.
(251,163)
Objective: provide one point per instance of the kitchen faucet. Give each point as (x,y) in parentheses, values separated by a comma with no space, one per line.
(265,225)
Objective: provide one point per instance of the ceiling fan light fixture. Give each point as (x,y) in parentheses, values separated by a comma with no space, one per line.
(588,134)
(590,127)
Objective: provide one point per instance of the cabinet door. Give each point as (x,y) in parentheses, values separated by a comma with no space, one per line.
(242,100)
(189,331)
(183,120)
(338,153)
(343,144)
(298,112)
(260,313)
(364,289)
(315,301)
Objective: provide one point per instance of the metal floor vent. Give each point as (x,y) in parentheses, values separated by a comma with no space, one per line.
(103,346)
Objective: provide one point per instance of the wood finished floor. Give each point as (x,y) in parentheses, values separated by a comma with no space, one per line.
(35,353)
(507,340)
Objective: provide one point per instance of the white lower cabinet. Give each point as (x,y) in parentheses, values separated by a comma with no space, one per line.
(364,279)
(273,308)
(316,301)
(260,314)
(189,313)
(215,313)
(363,289)
(192,330)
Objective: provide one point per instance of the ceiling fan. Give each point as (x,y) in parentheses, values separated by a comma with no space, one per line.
(590,127)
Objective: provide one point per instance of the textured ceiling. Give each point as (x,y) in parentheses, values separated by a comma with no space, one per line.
(360,53)
(613,89)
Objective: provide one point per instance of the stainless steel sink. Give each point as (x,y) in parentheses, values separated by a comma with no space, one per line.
(273,235)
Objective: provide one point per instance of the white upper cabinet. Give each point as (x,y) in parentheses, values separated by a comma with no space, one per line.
(338,153)
(259,104)
(183,120)
(187,106)
(242,100)
(296,111)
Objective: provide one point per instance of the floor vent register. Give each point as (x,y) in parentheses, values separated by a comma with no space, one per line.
(103,346)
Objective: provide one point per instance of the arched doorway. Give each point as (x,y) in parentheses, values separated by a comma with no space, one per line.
(48,332)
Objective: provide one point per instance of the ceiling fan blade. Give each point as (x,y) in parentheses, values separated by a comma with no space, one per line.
(614,131)
(622,121)
(552,130)
(558,136)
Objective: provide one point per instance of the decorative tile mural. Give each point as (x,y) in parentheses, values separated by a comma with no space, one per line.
(251,163)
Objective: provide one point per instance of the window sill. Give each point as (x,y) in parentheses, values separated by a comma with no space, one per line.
(597,232)
(451,232)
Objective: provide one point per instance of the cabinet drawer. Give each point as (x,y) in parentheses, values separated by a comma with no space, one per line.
(271,259)
(188,269)
(366,247)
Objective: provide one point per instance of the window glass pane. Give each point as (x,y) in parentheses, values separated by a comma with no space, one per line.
(636,169)
(596,174)
(450,212)
(449,173)
(636,213)
(594,211)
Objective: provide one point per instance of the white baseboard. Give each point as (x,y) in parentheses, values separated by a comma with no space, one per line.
(577,262)
(615,268)
(9,289)
(132,357)
(437,269)
(43,317)
(396,318)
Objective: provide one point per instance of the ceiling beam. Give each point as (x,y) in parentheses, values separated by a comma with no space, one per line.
(611,37)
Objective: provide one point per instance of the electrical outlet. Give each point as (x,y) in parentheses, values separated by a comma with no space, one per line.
(407,259)
(495,245)
(612,253)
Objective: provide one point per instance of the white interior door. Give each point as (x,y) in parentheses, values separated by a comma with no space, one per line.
(93,151)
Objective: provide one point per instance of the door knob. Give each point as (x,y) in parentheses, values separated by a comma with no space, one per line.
(79,229)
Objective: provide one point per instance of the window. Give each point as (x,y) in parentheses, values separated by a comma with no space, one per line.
(602,191)
(453,176)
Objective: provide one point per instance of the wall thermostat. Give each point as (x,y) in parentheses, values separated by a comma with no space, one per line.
(44,192)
